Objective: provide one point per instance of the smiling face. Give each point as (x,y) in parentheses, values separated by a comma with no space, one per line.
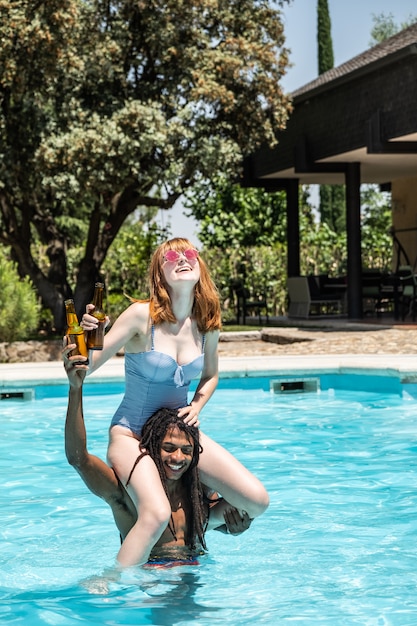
(176,453)
(183,269)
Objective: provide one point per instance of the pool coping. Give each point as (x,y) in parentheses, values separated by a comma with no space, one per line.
(400,366)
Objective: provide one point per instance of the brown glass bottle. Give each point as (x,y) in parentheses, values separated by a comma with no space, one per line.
(74,332)
(95,337)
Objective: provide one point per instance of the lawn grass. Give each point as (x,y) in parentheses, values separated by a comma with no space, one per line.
(240,328)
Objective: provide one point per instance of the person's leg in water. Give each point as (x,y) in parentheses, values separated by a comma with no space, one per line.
(146,490)
(223,473)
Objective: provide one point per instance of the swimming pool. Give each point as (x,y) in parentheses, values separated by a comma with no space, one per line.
(336,546)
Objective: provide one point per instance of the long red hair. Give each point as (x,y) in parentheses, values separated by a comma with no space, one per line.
(206,307)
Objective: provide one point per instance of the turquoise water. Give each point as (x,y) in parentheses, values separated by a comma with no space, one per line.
(338,545)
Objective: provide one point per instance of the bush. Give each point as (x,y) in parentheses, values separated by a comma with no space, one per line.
(116,303)
(18,303)
(261,268)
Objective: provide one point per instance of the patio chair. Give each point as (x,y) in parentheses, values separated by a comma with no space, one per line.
(373,299)
(408,290)
(248,303)
(306,298)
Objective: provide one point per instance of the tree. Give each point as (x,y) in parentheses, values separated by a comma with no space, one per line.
(385,27)
(232,216)
(111,106)
(332,197)
(324,37)
(376,218)
(244,236)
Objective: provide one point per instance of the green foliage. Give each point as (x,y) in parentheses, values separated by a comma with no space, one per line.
(244,236)
(332,207)
(324,37)
(230,215)
(385,27)
(18,303)
(322,251)
(125,270)
(263,266)
(332,197)
(116,303)
(107,107)
(377,248)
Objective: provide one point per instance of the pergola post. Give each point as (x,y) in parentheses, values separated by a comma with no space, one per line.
(354,251)
(293,228)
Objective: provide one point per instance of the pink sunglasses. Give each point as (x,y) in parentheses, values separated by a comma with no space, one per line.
(172,255)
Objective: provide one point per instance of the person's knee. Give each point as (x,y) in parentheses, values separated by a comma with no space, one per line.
(264,501)
(158,515)
(259,504)
(150,524)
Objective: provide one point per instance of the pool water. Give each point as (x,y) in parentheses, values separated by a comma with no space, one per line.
(338,545)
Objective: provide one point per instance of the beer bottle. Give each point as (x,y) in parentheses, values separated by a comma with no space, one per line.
(95,337)
(74,332)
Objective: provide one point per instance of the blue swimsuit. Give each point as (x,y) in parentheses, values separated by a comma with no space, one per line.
(154,380)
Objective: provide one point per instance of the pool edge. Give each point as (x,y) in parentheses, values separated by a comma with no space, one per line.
(400,366)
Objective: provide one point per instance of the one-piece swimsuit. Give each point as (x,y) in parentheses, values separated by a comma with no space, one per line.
(154,380)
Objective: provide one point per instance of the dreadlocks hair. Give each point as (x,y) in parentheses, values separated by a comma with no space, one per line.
(153,433)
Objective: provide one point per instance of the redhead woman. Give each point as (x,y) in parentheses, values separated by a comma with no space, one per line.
(169,340)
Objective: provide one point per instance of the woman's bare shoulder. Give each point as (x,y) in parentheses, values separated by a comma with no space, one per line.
(134,320)
(140,308)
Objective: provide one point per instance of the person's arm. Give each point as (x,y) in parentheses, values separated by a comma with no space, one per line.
(225,518)
(96,474)
(208,381)
(235,524)
(130,326)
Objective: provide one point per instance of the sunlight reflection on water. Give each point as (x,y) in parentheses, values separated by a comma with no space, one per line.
(336,546)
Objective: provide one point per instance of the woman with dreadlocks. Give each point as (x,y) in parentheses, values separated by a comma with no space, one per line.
(168,340)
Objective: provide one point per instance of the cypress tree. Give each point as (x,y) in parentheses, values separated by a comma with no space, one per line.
(324,37)
(332,197)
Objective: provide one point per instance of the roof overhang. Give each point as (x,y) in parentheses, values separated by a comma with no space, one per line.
(362,112)
(375,168)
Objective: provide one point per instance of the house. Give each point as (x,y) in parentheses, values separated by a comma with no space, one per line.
(356,123)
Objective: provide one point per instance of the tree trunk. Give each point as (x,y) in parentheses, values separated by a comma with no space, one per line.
(53,288)
(99,242)
(52,295)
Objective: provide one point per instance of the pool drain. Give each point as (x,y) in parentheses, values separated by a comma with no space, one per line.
(294,385)
(16,394)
